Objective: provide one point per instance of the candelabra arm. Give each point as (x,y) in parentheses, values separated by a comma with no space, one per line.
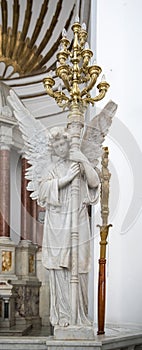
(89,87)
(63,72)
(49,91)
(48,84)
(100,96)
(93,71)
(95,99)
(103,87)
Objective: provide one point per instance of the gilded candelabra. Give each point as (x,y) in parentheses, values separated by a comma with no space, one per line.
(77,73)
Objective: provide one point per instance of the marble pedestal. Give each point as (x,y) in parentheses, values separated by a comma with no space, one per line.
(74,332)
(27,303)
(27,287)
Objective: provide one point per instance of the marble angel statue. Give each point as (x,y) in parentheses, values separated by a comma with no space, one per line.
(53,167)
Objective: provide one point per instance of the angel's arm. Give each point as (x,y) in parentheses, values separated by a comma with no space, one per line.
(90,172)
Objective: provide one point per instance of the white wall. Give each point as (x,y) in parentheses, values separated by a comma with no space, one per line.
(119,52)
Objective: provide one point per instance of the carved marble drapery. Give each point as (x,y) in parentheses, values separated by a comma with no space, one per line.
(40,222)
(4,191)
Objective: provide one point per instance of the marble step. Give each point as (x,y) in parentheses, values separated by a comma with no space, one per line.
(15,331)
(14,343)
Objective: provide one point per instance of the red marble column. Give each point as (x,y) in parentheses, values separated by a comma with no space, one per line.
(25,204)
(4,191)
(34,220)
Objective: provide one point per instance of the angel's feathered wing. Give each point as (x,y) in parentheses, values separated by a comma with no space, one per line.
(96,131)
(35,137)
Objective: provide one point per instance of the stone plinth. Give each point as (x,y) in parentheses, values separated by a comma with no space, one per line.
(27,287)
(27,302)
(74,332)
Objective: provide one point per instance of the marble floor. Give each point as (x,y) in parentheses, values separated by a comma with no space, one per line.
(115,337)
(47,331)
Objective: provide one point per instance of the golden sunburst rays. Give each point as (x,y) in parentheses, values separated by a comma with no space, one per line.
(20,55)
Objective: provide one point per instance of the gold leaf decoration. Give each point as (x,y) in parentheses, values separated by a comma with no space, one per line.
(26,46)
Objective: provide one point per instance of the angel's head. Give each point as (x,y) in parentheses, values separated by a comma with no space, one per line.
(59,142)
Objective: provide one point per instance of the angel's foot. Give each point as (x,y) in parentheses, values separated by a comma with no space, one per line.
(63,322)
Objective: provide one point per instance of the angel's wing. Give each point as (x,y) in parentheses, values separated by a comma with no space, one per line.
(96,131)
(35,137)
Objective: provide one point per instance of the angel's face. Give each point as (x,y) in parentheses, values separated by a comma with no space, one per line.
(61,148)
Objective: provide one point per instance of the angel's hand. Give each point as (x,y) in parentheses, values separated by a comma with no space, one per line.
(73,171)
(71,174)
(78,156)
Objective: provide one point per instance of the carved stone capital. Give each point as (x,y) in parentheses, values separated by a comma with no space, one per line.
(4,147)
(10,135)
(5,135)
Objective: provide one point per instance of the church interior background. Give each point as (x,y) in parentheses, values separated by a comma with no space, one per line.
(29,39)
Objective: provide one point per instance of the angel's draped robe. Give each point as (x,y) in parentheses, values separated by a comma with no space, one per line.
(56,247)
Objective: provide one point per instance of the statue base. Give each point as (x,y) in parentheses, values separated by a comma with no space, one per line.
(74,332)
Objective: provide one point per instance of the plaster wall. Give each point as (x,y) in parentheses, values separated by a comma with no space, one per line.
(118,52)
